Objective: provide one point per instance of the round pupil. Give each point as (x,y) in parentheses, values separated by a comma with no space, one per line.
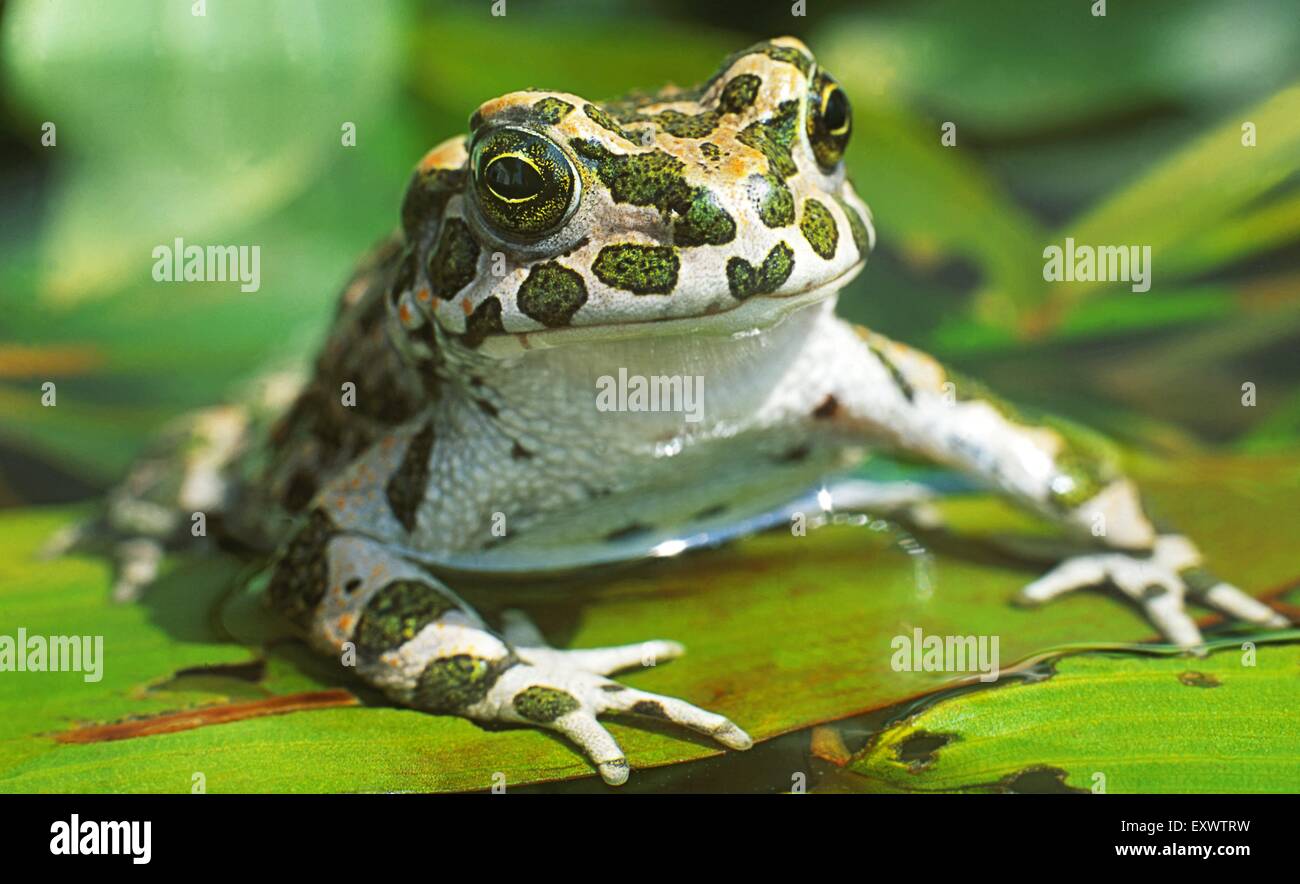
(836,112)
(513,179)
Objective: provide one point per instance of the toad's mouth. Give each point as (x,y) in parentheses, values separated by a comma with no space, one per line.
(752,315)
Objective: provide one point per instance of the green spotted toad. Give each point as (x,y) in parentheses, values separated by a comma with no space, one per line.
(450,424)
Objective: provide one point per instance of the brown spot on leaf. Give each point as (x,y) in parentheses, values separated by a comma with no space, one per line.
(225,713)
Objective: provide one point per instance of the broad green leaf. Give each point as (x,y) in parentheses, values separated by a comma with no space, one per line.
(1225,723)
(783,632)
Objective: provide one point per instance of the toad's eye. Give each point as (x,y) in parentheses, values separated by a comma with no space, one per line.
(830,121)
(526,186)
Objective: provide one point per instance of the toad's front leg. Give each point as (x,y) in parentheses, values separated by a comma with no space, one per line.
(424,647)
(906,400)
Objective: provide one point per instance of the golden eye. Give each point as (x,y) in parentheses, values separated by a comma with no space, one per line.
(830,121)
(526,185)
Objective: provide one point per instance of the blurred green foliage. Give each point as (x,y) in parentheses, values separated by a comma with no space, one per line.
(226,128)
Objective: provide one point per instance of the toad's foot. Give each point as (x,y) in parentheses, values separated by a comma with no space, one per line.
(566,691)
(1159,582)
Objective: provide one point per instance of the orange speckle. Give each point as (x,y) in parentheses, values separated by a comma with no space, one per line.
(423,294)
(448,155)
(404,312)
(345,622)
(340,503)
(464,305)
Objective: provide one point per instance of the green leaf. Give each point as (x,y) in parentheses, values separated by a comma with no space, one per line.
(782,633)
(1146,724)
(1210,181)
(194,124)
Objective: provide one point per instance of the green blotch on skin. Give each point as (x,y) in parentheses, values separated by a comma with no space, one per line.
(395,614)
(551,294)
(1086,458)
(746,280)
(628,108)
(452,683)
(705,221)
(779,53)
(711,150)
(776,208)
(645,179)
(656,179)
(785,54)
(302,574)
(551,110)
(772,137)
(455,262)
(406,488)
(605,121)
(650,709)
(426,198)
(642,270)
(682,125)
(739,93)
(1085,480)
(818,227)
(544,705)
(899,380)
(857,227)
(484,321)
